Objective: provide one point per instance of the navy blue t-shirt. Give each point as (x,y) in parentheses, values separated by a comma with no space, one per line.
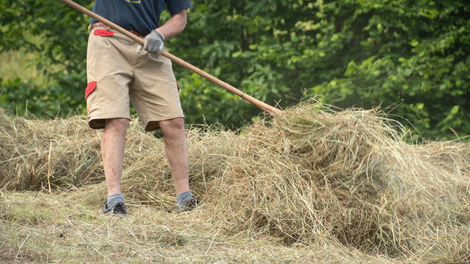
(140,15)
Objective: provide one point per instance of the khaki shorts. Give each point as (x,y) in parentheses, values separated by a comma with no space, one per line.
(116,73)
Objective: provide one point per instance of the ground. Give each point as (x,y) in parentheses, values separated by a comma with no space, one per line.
(44,228)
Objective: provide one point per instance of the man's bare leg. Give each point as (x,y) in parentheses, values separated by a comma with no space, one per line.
(176,148)
(112,149)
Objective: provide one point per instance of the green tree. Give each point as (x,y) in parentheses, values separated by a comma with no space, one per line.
(414,55)
(61,55)
(256,46)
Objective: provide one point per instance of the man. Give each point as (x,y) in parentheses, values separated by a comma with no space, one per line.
(120,69)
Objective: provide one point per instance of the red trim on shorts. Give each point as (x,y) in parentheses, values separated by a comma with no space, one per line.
(178,86)
(89,89)
(103,32)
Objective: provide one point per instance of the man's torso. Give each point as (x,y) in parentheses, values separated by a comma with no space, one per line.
(140,15)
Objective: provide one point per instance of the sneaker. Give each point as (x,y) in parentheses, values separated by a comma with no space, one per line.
(191,205)
(119,210)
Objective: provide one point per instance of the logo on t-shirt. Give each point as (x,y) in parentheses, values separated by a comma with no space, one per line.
(133,1)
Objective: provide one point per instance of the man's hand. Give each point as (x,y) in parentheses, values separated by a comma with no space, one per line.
(153,43)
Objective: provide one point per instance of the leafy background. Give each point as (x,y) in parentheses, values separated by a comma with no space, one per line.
(411,58)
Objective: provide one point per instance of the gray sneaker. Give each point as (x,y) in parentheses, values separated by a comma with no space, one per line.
(119,210)
(190,205)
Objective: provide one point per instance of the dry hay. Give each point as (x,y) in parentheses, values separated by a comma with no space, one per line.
(305,175)
(36,153)
(57,228)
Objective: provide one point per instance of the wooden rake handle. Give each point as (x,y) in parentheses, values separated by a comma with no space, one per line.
(177,60)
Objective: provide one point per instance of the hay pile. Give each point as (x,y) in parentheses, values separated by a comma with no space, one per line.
(307,175)
(36,154)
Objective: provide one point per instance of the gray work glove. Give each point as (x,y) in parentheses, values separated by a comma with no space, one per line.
(153,43)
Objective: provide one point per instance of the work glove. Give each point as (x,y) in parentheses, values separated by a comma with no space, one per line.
(153,43)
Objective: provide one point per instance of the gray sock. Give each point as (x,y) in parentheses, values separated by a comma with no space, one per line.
(183,198)
(113,199)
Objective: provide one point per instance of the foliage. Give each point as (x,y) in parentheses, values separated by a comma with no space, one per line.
(21,95)
(411,56)
(61,55)
(253,45)
(414,53)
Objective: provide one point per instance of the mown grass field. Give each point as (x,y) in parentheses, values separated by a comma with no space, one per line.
(309,185)
(43,228)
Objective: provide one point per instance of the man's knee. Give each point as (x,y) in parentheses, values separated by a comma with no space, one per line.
(116,124)
(175,123)
(173,127)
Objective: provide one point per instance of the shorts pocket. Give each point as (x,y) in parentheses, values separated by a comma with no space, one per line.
(89,89)
(103,32)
